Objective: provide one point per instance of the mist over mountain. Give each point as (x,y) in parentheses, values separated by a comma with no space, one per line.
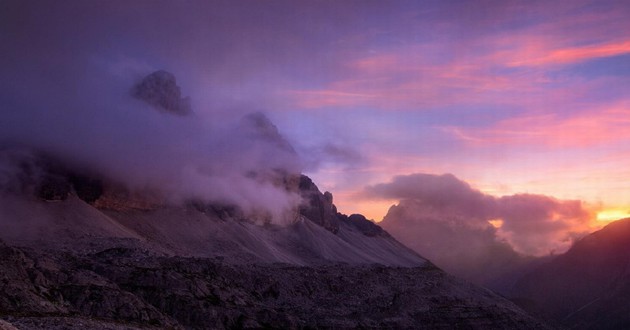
(82,251)
(178,158)
(224,217)
(187,164)
(477,236)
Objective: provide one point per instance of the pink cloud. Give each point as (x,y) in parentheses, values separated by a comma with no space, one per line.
(498,68)
(531,224)
(597,127)
(572,54)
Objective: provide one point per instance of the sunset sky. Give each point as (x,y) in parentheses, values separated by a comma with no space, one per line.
(509,96)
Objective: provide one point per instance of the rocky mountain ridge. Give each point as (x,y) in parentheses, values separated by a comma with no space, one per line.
(71,262)
(82,249)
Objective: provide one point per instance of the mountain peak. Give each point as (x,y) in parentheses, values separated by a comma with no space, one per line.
(160,90)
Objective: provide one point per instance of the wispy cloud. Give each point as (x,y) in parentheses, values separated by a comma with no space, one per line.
(574,54)
(598,127)
(504,66)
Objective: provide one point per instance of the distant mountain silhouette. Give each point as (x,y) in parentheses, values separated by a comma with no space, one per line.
(588,287)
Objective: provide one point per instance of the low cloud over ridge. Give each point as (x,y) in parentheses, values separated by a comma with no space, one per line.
(101,128)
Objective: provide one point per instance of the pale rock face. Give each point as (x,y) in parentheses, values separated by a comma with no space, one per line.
(160,90)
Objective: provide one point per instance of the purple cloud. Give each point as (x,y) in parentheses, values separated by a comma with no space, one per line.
(531,224)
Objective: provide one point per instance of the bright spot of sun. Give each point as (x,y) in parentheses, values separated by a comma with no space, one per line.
(612,215)
(496,223)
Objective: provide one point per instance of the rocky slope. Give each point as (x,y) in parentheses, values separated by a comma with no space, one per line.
(122,287)
(588,286)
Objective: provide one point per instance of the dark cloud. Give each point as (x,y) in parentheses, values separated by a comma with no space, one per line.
(531,224)
(439,193)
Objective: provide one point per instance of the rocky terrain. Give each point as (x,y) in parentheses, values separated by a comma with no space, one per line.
(122,287)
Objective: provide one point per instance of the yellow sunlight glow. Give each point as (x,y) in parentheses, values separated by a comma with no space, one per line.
(612,215)
(496,223)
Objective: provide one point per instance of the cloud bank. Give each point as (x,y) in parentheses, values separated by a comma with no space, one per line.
(531,224)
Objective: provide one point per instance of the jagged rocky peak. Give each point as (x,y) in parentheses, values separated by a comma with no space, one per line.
(160,90)
(319,208)
(367,227)
(316,206)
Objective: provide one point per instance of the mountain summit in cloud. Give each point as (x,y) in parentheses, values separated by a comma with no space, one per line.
(477,236)
(114,255)
(160,90)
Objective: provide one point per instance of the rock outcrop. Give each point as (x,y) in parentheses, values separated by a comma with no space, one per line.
(160,90)
(316,206)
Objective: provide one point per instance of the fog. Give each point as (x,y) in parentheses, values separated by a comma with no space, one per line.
(68,73)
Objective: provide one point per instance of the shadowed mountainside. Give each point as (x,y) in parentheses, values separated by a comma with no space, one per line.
(588,286)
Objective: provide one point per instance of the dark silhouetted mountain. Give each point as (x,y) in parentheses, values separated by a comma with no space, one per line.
(160,90)
(588,287)
(316,206)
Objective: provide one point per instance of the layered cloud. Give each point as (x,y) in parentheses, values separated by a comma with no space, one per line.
(502,55)
(608,125)
(531,224)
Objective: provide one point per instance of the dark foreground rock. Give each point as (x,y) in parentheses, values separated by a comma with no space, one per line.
(123,288)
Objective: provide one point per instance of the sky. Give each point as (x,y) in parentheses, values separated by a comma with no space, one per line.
(511,97)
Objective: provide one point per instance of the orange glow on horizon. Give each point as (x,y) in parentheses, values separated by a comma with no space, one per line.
(612,215)
(496,223)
